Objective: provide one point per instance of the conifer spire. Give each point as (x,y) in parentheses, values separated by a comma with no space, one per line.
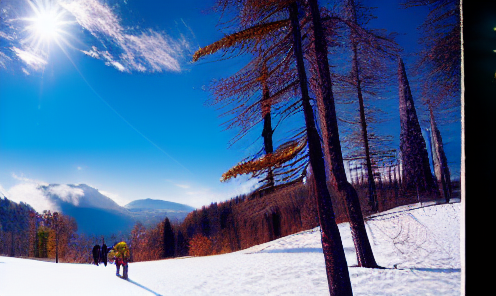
(416,170)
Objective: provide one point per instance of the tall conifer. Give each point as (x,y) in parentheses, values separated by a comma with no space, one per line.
(168,246)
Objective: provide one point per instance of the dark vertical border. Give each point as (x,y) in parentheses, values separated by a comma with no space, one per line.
(479,21)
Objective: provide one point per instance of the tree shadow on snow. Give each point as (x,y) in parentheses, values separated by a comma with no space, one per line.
(141,286)
(443,270)
(294,250)
(440,270)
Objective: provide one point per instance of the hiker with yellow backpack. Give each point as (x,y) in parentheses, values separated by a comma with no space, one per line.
(120,253)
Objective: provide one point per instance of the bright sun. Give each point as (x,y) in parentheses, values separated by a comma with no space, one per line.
(47,24)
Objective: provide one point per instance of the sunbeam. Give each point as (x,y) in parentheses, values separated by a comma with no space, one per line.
(47,25)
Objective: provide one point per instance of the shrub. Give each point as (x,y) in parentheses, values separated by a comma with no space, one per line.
(200,245)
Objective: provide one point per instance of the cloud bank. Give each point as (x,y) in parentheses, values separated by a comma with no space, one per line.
(29,191)
(66,193)
(37,193)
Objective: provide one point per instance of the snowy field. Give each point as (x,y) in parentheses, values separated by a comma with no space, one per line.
(419,248)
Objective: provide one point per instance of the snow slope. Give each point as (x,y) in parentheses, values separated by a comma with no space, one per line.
(420,249)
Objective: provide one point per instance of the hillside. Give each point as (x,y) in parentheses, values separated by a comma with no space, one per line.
(419,248)
(94,212)
(14,216)
(97,214)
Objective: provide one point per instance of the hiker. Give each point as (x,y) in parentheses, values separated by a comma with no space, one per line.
(120,252)
(104,253)
(96,254)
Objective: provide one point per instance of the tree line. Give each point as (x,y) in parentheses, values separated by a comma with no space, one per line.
(252,219)
(45,236)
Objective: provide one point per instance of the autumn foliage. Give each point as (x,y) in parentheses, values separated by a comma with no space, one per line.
(200,245)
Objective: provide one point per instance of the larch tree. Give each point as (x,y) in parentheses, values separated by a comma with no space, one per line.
(439,64)
(64,229)
(336,267)
(33,241)
(261,91)
(138,242)
(332,147)
(369,50)
(440,56)
(361,80)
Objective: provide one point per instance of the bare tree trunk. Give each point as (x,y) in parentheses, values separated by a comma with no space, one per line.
(332,145)
(12,249)
(56,227)
(372,192)
(357,180)
(267,128)
(338,277)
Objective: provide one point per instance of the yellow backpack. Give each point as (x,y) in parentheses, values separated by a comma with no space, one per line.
(120,250)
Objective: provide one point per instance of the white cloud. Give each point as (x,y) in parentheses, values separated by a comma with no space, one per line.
(67,193)
(31,194)
(180,184)
(93,52)
(6,36)
(142,51)
(34,61)
(27,180)
(119,66)
(29,191)
(4,59)
(203,196)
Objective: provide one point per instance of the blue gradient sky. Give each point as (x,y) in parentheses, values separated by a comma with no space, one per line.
(133,134)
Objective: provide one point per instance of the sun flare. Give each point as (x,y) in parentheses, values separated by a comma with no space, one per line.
(47,24)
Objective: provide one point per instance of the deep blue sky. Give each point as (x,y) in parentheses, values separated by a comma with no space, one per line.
(132,134)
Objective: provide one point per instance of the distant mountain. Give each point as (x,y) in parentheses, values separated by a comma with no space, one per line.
(156,204)
(94,212)
(152,211)
(98,214)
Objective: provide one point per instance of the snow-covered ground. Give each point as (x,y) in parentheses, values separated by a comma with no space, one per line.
(420,249)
